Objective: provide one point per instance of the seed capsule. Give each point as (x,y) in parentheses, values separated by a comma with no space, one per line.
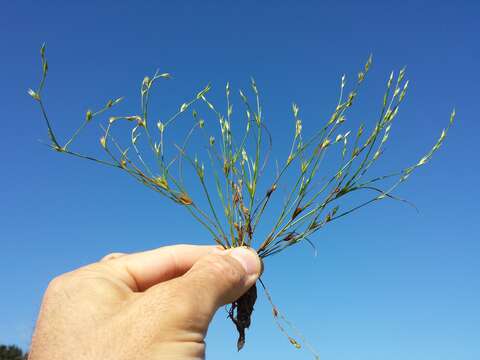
(294,343)
(185,199)
(297,211)
(162,182)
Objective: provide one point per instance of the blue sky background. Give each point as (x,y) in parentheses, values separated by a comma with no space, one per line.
(387,283)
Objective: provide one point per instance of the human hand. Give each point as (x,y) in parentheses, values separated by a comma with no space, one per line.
(150,305)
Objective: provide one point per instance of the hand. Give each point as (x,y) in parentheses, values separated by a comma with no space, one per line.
(151,305)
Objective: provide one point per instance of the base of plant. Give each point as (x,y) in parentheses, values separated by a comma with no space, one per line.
(241,312)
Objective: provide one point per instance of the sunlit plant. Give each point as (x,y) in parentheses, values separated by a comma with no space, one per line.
(233,175)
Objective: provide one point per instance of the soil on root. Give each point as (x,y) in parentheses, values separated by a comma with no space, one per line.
(241,312)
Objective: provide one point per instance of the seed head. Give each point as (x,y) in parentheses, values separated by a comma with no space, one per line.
(185,199)
(271,190)
(298,127)
(325,143)
(304,166)
(161,126)
(244,155)
(88,115)
(295,109)
(162,182)
(297,211)
(33,94)
(294,343)
(361,76)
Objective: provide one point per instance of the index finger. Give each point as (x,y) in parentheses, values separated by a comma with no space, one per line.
(140,271)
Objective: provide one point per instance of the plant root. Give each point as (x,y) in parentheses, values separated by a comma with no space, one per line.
(241,312)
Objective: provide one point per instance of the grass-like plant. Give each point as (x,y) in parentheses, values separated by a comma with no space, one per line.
(238,185)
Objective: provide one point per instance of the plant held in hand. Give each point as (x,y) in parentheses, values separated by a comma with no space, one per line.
(235,186)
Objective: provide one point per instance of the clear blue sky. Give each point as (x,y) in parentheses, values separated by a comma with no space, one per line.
(387,283)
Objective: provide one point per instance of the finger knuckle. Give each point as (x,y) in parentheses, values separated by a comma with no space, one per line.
(57,284)
(225,268)
(111,256)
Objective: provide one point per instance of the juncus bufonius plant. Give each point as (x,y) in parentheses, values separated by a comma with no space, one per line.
(235,183)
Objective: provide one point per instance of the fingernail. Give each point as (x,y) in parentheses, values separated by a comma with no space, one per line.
(248,258)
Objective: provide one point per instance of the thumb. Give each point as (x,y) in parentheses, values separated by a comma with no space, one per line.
(224,275)
(216,279)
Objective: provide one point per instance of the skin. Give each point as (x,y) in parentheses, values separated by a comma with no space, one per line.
(150,305)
